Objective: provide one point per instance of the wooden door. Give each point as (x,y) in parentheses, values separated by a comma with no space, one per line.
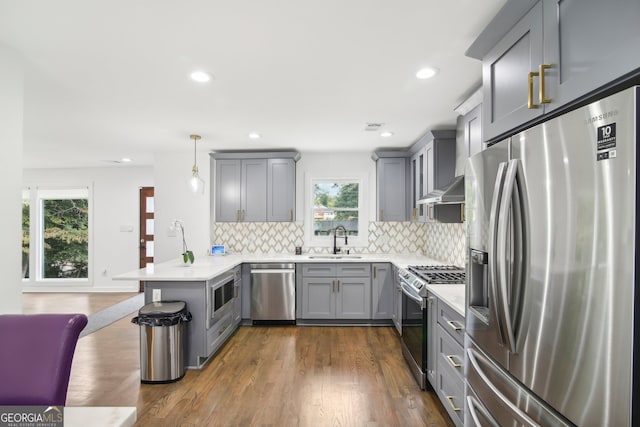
(147,227)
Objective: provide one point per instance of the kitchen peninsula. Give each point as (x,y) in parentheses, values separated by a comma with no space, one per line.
(172,280)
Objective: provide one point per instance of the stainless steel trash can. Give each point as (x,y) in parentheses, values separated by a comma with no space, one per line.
(162,335)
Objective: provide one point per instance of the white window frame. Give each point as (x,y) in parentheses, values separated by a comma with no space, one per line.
(360,241)
(36,197)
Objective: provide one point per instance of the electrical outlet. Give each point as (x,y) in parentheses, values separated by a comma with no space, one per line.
(157,295)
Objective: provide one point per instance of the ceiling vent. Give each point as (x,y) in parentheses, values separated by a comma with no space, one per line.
(373,127)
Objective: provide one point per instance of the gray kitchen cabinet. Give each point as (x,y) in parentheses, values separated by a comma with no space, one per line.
(253,192)
(592,42)
(281,190)
(469,140)
(397,313)
(433,166)
(245,292)
(391,188)
(382,290)
(255,188)
(336,291)
(200,342)
(318,298)
(557,53)
(432,337)
(449,359)
(227,190)
(241,190)
(505,76)
(418,184)
(237,295)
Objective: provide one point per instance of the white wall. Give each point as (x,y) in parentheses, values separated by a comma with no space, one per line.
(115,203)
(175,201)
(11,119)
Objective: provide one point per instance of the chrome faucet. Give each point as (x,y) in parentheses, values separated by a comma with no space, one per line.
(336,249)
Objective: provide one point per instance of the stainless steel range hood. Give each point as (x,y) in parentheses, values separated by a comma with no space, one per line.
(452,193)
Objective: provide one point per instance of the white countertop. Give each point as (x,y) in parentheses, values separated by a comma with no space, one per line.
(208,267)
(98,416)
(453,295)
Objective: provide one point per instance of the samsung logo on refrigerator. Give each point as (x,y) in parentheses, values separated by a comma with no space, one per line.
(602,116)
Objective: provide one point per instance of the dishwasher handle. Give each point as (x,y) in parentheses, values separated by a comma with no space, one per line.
(272,266)
(273,270)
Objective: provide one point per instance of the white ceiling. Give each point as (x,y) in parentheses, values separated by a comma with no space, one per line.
(110,79)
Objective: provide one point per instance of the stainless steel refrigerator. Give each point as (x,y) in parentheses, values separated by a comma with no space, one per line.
(551,315)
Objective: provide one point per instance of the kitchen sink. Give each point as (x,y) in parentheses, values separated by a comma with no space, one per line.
(335,257)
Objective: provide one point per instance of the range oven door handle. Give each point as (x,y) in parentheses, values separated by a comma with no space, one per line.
(411,295)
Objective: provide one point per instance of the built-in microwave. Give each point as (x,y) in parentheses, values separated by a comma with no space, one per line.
(221,293)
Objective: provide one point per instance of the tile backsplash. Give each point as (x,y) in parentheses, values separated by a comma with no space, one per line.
(444,242)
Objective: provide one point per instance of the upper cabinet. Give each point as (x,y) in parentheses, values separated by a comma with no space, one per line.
(281,189)
(541,56)
(507,76)
(391,168)
(432,167)
(469,139)
(254,187)
(418,184)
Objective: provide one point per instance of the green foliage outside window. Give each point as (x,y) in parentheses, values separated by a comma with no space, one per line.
(66,238)
(25,238)
(335,204)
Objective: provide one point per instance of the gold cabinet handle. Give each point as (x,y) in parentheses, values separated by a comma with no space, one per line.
(430,212)
(542,91)
(290,214)
(530,103)
(462,218)
(414,213)
(453,406)
(453,362)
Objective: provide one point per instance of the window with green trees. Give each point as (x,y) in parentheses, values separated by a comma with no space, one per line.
(335,203)
(61,238)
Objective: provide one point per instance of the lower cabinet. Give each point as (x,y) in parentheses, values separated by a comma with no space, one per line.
(382,289)
(336,291)
(200,342)
(449,359)
(432,338)
(397,301)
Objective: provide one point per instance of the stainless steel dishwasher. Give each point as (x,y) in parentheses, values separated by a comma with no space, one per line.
(273,294)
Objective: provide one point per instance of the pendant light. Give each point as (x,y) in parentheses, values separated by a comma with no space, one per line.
(196,184)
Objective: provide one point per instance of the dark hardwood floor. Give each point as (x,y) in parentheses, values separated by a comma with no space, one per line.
(264,376)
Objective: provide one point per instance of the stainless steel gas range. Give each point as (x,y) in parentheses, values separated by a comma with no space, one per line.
(415,311)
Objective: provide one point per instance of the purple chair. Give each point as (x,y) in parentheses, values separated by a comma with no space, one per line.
(36,351)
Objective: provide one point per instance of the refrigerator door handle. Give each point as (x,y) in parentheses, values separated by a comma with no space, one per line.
(494,220)
(476,407)
(505,282)
(508,404)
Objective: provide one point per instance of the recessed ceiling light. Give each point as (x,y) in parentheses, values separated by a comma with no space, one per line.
(386,134)
(255,135)
(426,73)
(200,76)
(125,160)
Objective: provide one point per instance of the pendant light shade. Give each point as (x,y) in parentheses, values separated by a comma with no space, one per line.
(196,184)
